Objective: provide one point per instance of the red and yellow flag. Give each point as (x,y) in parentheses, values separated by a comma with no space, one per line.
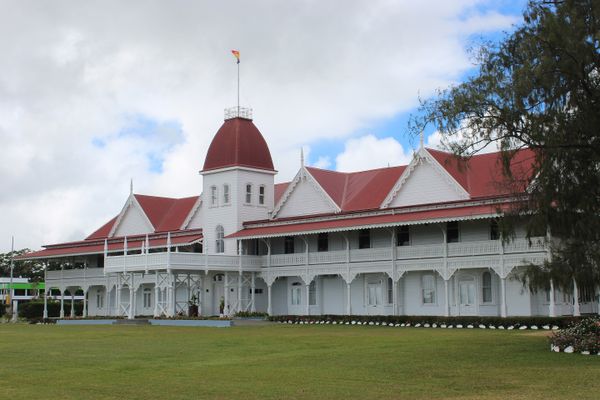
(236,54)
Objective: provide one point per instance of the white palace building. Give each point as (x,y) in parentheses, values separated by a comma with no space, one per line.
(417,239)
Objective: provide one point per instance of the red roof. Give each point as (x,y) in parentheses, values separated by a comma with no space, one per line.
(396,218)
(166,214)
(103,231)
(114,245)
(238,143)
(279,190)
(356,191)
(482,175)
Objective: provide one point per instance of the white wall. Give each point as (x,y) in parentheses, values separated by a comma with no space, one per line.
(306,199)
(133,223)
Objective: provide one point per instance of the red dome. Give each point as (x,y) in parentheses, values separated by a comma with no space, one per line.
(238,143)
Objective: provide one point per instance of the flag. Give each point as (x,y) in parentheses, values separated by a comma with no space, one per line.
(236,54)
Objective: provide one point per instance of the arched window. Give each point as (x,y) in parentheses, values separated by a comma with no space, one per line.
(218,278)
(261,195)
(213,196)
(296,294)
(219,242)
(390,291)
(312,293)
(486,287)
(248,193)
(147,298)
(225,194)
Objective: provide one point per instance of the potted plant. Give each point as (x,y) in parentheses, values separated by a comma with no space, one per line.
(193,306)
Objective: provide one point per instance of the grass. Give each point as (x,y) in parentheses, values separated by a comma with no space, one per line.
(291,362)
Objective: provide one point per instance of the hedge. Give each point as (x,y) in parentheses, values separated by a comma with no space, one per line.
(516,322)
(35,309)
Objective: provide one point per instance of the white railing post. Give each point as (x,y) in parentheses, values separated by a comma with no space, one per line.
(252,289)
(552,306)
(576,312)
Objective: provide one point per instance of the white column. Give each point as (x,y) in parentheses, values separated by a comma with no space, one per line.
(156,295)
(447,297)
(239,293)
(226,297)
(252,289)
(108,295)
(85,300)
(395,296)
(269,305)
(503,311)
(131,301)
(307,299)
(72,303)
(552,306)
(348,298)
(576,312)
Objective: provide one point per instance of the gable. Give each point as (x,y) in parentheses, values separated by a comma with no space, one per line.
(305,197)
(133,222)
(425,183)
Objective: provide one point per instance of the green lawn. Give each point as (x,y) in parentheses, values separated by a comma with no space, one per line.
(282,361)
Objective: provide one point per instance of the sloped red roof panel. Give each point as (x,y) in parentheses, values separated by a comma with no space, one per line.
(238,143)
(357,222)
(97,247)
(175,216)
(367,189)
(280,188)
(103,231)
(333,182)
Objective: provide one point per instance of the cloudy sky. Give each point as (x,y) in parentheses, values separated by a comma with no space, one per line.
(93,94)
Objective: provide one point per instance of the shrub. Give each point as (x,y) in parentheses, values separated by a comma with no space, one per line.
(561,322)
(34,310)
(583,335)
(249,314)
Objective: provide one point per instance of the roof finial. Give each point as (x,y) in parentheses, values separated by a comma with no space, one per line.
(131,186)
(422,138)
(302,156)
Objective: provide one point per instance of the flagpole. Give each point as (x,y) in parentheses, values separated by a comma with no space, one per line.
(238,87)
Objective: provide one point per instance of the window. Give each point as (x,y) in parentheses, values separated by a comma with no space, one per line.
(147,298)
(296,293)
(248,194)
(213,195)
(323,242)
(225,194)
(312,293)
(288,245)
(390,291)
(428,288)
(403,236)
(261,195)
(219,242)
(219,278)
(494,230)
(452,232)
(256,291)
(486,287)
(364,239)
(99,300)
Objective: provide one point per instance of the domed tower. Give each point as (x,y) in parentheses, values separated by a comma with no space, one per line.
(238,182)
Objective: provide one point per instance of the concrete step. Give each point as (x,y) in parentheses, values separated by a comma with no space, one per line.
(131,322)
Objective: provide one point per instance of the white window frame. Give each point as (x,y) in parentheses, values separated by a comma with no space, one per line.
(219,239)
(261,195)
(214,196)
(433,290)
(226,194)
(296,294)
(484,287)
(99,299)
(390,291)
(248,194)
(147,298)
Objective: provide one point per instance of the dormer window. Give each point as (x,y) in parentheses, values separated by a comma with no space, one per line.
(225,194)
(213,196)
(248,193)
(261,195)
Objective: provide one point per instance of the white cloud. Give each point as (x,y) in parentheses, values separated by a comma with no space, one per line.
(74,74)
(369,152)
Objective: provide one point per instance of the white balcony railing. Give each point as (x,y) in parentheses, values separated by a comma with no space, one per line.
(456,253)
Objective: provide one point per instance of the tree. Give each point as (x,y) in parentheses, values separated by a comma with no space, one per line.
(26,269)
(539,88)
